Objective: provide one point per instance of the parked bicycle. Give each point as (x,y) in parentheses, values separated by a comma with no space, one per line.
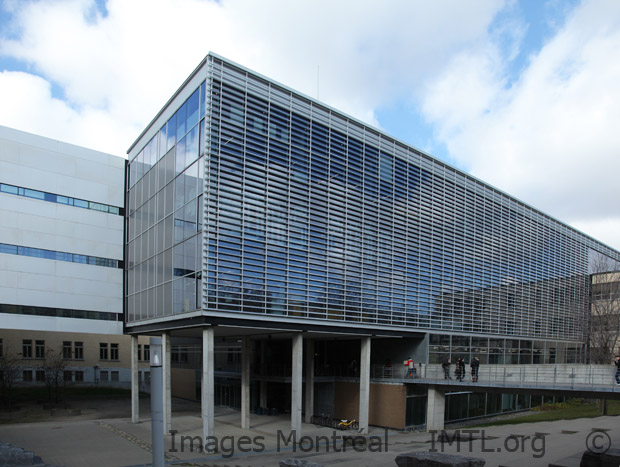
(348,424)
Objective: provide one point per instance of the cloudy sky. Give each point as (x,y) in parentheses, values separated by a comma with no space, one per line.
(522,94)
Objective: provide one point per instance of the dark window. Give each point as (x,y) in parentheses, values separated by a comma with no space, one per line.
(27,351)
(66,350)
(114,352)
(59,256)
(40,376)
(59,199)
(79,375)
(27,375)
(78,350)
(68,375)
(147,352)
(103,353)
(60,312)
(39,349)
(103,376)
(114,375)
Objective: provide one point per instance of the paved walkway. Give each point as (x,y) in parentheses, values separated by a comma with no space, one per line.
(92,439)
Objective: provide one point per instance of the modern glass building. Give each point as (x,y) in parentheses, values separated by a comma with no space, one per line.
(252,206)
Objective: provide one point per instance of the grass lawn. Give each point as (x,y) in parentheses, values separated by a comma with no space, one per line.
(571,409)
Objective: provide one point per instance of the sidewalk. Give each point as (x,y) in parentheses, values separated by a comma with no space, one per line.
(93,439)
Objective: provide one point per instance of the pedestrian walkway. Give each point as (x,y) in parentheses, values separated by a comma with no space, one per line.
(114,442)
(571,380)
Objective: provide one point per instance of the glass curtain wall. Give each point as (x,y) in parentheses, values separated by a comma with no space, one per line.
(310,214)
(165,216)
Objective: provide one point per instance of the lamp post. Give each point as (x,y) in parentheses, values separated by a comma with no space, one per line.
(157,403)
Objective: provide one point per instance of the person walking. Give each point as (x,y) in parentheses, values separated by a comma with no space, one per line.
(446,368)
(617,363)
(475,366)
(410,367)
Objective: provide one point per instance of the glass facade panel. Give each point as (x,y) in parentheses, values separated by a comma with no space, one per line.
(336,222)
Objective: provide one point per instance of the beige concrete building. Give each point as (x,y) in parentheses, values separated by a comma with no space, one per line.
(89,359)
(61,260)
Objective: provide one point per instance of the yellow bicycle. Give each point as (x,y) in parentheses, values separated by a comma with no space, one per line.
(348,424)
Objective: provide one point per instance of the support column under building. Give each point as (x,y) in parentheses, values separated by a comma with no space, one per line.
(208,383)
(166,381)
(364,385)
(296,384)
(435,409)
(309,405)
(263,371)
(245,383)
(135,381)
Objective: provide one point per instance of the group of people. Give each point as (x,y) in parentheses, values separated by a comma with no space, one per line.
(459,371)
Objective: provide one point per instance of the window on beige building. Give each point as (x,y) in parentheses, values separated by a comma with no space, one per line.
(66,350)
(27,350)
(39,349)
(103,351)
(114,352)
(78,350)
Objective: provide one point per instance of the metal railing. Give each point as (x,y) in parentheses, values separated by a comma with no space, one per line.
(558,375)
(543,375)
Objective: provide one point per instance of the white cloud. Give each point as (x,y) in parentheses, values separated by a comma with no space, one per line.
(27,104)
(552,137)
(129,62)
(548,137)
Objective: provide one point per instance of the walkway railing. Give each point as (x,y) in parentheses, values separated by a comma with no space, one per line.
(560,375)
(547,375)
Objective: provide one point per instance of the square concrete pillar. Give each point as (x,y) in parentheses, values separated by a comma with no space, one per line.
(135,380)
(364,385)
(245,383)
(296,384)
(208,383)
(309,359)
(263,371)
(435,409)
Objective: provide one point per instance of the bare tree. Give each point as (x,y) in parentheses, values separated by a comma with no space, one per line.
(9,373)
(605,312)
(54,367)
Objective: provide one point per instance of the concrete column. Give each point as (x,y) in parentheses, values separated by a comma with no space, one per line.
(208,383)
(309,358)
(166,381)
(245,383)
(296,384)
(263,370)
(135,381)
(364,384)
(435,409)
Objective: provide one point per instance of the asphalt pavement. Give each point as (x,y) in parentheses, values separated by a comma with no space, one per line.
(99,432)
